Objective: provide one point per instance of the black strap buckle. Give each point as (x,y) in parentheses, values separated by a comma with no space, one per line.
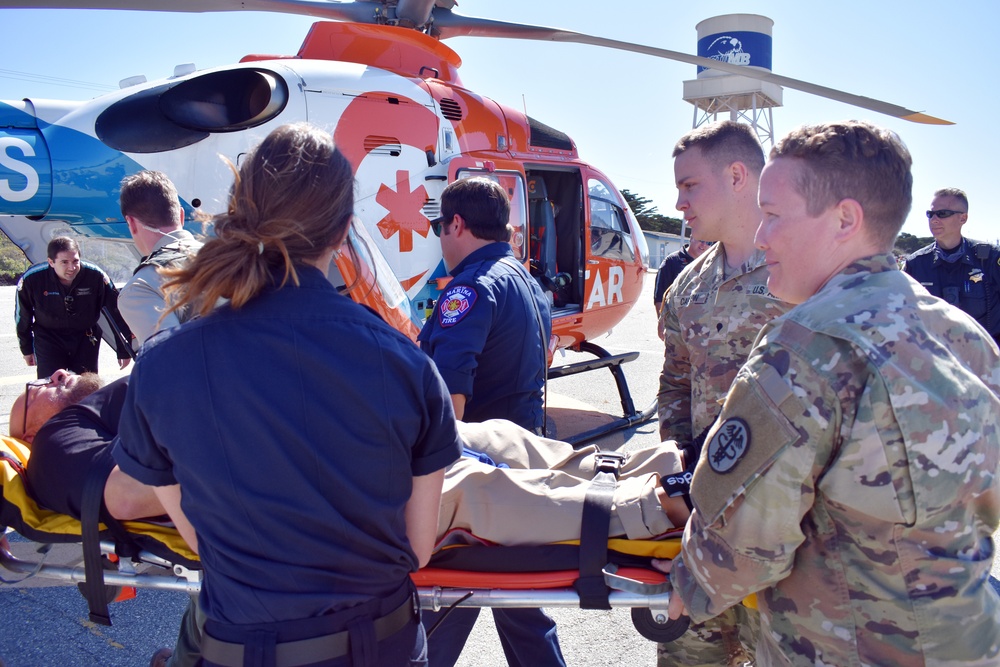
(611,462)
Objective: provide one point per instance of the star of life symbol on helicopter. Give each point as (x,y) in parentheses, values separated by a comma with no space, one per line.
(456,304)
(404,215)
(730,50)
(729,444)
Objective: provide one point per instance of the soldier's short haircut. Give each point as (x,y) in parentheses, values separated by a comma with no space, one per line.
(724,143)
(956,193)
(151,197)
(483,205)
(853,160)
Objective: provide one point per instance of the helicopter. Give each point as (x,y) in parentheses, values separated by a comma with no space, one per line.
(377,75)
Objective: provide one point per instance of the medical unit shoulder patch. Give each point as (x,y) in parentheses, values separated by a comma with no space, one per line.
(455,304)
(729,444)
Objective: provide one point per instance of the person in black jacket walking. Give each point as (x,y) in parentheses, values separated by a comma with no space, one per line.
(963,272)
(57,310)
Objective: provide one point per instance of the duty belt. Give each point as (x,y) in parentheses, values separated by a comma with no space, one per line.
(312,650)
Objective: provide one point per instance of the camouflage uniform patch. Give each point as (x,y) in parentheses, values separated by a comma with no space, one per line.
(868,537)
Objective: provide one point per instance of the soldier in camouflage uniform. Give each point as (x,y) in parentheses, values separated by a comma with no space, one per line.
(851,478)
(712,314)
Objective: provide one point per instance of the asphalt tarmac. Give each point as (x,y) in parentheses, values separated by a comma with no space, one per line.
(47,626)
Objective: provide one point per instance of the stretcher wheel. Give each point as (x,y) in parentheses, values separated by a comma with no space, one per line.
(646,625)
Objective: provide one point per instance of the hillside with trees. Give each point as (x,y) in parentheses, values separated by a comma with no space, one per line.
(648,217)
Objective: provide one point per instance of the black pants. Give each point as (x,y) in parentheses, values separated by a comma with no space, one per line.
(71,350)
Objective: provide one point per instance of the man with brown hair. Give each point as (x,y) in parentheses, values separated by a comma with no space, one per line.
(488,337)
(711,316)
(850,480)
(155,220)
(58,310)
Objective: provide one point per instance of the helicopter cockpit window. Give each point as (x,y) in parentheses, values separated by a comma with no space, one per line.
(609,232)
(513,183)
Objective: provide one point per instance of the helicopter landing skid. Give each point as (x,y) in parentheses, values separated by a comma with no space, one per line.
(613,363)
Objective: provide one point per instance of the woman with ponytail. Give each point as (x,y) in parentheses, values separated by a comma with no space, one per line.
(297,441)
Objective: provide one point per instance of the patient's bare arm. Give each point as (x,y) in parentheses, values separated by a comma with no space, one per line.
(126,498)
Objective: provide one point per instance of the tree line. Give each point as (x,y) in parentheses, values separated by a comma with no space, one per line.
(651,220)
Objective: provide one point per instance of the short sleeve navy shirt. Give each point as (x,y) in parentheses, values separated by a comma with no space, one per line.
(294,426)
(488,336)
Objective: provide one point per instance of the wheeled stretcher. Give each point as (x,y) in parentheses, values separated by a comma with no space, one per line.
(139,554)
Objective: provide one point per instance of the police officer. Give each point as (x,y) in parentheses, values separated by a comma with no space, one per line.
(57,311)
(963,272)
(488,337)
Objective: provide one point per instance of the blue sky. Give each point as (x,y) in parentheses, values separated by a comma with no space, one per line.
(624,110)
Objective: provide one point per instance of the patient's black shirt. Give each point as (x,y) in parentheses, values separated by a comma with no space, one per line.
(71,444)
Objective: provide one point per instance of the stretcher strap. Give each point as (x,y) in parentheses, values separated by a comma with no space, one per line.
(594,529)
(92,513)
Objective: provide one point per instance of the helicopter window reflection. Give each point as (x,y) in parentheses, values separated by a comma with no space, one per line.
(609,232)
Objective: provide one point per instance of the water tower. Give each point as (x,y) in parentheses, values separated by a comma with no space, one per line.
(738,39)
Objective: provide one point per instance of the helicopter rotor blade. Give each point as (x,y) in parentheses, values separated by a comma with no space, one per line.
(364,11)
(448,24)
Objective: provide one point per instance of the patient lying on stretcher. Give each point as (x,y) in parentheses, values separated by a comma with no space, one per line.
(520,490)
(71,423)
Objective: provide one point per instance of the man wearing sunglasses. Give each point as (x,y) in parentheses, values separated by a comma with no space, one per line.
(488,337)
(963,272)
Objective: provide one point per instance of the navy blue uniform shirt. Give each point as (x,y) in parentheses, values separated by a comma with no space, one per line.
(486,338)
(971,282)
(294,426)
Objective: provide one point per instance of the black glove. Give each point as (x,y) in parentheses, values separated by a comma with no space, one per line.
(679,484)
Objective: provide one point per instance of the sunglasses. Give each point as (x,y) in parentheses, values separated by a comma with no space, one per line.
(40,382)
(941,213)
(438,223)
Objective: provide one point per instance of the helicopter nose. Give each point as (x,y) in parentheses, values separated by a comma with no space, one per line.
(25,165)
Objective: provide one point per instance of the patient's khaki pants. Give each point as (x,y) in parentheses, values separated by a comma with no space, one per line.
(539,499)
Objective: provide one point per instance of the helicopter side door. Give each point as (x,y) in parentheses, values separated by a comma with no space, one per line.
(556,219)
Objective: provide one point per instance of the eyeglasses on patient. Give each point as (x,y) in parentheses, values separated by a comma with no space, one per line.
(40,382)
(941,213)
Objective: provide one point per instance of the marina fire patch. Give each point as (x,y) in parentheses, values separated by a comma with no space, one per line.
(456,304)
